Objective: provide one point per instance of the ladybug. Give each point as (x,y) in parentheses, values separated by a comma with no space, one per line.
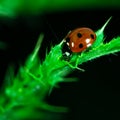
(78,40)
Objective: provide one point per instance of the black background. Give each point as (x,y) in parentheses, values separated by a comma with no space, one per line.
(97,93)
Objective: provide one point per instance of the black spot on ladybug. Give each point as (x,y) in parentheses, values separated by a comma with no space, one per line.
(67,39)
(79,35)
(80,45)
(92,36)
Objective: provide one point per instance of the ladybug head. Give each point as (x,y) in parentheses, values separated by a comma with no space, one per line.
(66,52)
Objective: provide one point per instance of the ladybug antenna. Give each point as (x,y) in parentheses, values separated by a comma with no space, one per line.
(52,31)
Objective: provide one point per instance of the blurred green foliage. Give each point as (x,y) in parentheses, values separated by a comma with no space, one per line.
(13,7)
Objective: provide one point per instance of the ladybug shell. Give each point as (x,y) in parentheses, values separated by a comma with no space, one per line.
(80,39)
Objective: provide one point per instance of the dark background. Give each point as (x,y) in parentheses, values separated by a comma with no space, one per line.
(97,93)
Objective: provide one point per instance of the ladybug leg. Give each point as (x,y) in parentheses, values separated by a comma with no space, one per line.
(79,68)
(77,63)
(74,67)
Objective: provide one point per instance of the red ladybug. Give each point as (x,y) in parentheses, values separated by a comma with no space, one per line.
(78,40)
